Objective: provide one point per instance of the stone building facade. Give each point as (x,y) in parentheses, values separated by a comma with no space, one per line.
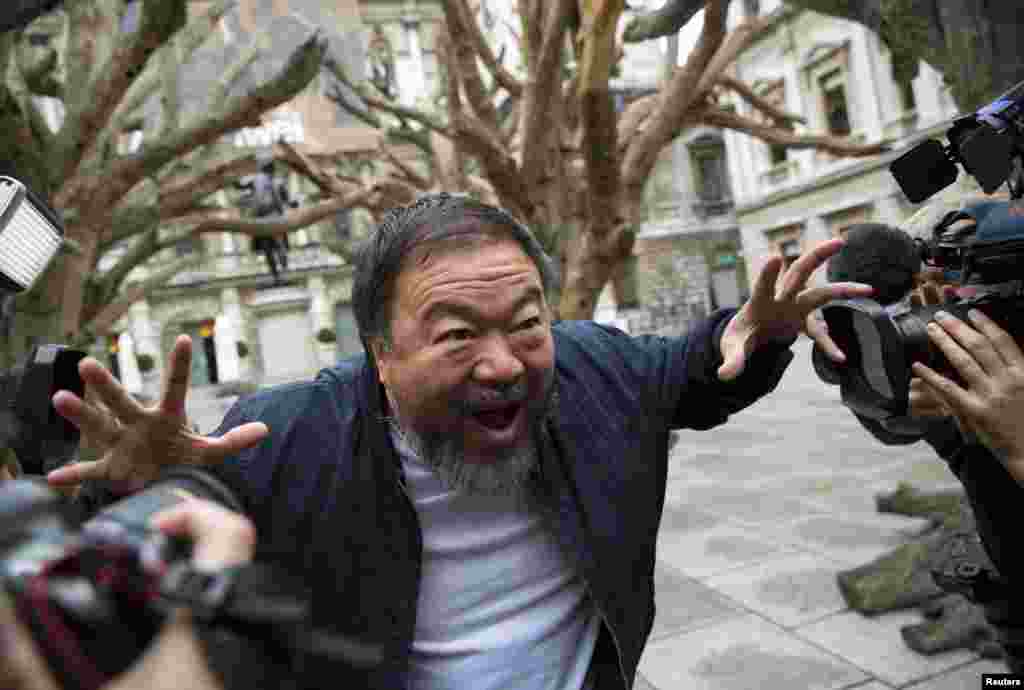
(838,75)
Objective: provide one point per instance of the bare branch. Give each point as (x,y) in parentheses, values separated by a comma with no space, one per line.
(500,168)
(545,74)
(189,39)
(234,71)
(100,93)
(308,167)
(634,116)
(372,101)
(838,146)
(475,38)
(734,45)
(300,69)
(665,21)
(462,61)
(597,112)
(414,177)
(675,100)
(447,157)
(777,115)
(230,220)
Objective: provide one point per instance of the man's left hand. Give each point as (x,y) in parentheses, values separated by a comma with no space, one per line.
(779,316)
(991,364)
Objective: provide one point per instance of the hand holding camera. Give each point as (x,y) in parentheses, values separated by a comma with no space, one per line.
(221,538)
(991,404)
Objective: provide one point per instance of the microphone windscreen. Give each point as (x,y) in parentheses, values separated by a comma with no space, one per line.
(881,256)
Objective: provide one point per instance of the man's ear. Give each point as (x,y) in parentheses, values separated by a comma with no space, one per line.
(381,350)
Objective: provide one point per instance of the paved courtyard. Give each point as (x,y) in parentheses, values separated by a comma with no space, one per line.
(760,516)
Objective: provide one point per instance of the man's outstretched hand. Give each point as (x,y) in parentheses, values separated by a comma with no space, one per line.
(134,442)
(779,315)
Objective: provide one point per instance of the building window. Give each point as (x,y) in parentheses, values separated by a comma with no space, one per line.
(833,94)
(708,156)
(751,8)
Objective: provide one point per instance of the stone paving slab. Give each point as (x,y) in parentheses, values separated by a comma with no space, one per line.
(966,677)
(684,604)
(709,551)
(745,653)
(789,590)
(854,539)
(876,645)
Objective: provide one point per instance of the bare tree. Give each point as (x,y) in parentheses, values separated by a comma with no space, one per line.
(109,199)
(973,43)
(549,144)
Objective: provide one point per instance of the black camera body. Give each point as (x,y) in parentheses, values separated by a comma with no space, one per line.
(95,593)
(881,342)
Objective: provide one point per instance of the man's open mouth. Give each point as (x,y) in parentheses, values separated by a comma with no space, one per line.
(499,418)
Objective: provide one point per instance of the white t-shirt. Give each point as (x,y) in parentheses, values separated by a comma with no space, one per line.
(500,607)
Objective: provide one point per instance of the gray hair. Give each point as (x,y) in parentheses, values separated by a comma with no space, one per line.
(432,218)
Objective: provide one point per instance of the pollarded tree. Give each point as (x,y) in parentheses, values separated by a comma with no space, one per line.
(138,203)
(974,44)
(548,144)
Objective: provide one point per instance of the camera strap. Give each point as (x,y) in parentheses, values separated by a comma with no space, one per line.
(257,604)
(250,594)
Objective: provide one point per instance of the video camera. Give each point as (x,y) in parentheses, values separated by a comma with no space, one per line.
(881,341)
(95,592)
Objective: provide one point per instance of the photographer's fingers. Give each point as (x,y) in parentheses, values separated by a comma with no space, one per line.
(179,366)
(1002,342)
(175,653)
(222,538)
(924,402)
(961,403)
(970,352)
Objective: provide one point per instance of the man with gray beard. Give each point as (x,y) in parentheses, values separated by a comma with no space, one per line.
(477,497)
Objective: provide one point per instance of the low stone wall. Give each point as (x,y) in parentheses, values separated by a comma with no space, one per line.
(668,319)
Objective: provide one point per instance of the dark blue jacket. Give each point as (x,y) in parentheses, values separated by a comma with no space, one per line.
(325,489)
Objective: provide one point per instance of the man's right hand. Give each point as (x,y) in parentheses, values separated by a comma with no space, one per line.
(134,442)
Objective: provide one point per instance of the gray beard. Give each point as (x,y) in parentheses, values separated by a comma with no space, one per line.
(511,473)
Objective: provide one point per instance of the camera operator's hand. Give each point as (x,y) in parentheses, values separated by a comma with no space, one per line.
(221,538)
(135,442)
(175,659)
(931,290)
(992,366)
